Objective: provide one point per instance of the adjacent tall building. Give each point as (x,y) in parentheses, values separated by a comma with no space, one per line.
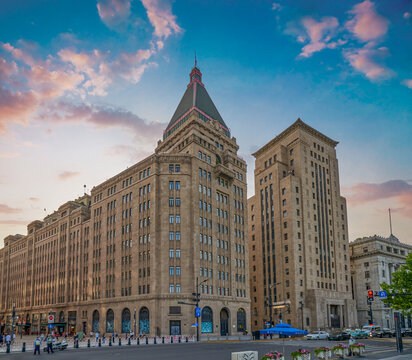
(373,260)
(298,236)
(123,258)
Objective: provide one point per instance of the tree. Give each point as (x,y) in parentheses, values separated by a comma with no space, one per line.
(401,283)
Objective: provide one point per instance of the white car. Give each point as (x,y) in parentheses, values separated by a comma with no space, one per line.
(317,335)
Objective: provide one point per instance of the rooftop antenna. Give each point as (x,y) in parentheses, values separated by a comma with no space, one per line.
(390,220)
(195,59)
(84,188)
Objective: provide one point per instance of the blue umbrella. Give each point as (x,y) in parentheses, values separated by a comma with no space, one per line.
(283,329)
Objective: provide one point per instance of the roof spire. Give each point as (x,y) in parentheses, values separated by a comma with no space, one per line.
(195,59)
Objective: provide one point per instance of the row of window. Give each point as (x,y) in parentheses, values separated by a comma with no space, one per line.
(204,157)
(174,219)
(142,239)
(174,253)
(126,198)
(204,239)
(174,202)
(204,255)
(222,198)
(144,205)
(174,185)
(144,190)
(174,168)
(205,174)
(205,190)
(144,173)
(205,222)
(174,270)
(125,183)
(125,214)
(203,205)
(206,272)
(222,182)
(174,235)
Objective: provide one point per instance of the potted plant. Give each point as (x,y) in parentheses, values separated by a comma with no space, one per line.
(301,354)
(273,355)
(357,349)
(323,352)
(340,350)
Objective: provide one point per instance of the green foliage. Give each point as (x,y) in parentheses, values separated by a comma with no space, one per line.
(401,283)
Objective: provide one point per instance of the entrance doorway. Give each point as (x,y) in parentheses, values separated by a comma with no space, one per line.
(224,322)
(175,328)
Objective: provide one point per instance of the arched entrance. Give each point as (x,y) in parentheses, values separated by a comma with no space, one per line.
(126,324)
(207,320)
(144,321)
(224,322)
(241,320)
(110,321)
(96,321)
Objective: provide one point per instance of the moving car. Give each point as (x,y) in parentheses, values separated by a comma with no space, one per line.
(382,333)
(340,335)
(359,334)
(317,335)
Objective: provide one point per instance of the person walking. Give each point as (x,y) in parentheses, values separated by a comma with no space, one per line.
(8,339)
(37,344)
(49,341)
(97,336)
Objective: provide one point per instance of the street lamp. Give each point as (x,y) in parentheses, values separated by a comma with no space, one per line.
(301,309)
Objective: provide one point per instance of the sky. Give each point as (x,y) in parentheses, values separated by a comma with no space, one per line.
(87,88)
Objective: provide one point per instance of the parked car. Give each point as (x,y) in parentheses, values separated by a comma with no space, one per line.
(359,334)
(340,335)
(382,333)
(317,335)
(58,346)
(406,332)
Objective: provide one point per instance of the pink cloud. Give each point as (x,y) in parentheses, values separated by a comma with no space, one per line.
(367,24)
(364,61)
(400,190)
(408,83)
(114,12)
(5,209)
(161,17)
(319,34)
(102,117)
(66,175)
(35,199)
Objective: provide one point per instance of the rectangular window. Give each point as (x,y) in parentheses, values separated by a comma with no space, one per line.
(171,235)
(171,253)
(177,168)
(171,288)
(177,202)
(171,219)
(171,185)
(171,202)
(171,270)
(177,219)
(178,270)
(178,288)
(177,185)
(177,235)
(178,253)
(171,168)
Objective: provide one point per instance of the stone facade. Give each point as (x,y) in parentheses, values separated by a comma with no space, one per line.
(298,236)
(123,258)
(373,260)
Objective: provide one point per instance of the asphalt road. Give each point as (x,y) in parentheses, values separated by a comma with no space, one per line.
(376,349)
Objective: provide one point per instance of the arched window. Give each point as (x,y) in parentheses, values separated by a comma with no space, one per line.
(61,317)
(96,321)
(110,321)
(207,320)
(126,324)
(241,320)
(144,321)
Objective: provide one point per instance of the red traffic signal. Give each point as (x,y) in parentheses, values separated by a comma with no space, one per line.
(370,295)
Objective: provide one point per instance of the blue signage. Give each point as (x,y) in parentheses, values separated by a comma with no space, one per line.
(50,326)
(383,294)
(198,311)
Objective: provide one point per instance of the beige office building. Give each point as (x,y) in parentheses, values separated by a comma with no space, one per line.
(373,261)
(122,258)
(298,235)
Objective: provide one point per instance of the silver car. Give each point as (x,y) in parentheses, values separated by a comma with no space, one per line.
(317,335)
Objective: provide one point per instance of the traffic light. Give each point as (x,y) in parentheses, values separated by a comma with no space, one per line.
(370,295)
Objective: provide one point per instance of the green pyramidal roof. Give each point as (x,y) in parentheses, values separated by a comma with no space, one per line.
(195,98)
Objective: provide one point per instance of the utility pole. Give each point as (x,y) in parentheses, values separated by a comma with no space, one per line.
(196,300)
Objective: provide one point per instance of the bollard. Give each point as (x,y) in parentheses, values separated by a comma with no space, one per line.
(155,342)
(171,339)
(147,340)
(120,342)
(110,341)
(77,343)
(88,342)
(180,339)
(8,348)
(163,339)
(187,339)
(129,342)
(138,341)
(100,342)
(24,347)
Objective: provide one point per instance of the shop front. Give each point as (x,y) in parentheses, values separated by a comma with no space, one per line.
(72,322)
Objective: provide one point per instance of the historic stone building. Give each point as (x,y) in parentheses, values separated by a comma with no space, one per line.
(373,260)
(298,236)
(123,258)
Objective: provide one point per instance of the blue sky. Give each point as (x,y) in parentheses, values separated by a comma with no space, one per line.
(87,87)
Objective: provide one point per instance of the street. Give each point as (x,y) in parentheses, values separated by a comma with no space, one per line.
(375,349)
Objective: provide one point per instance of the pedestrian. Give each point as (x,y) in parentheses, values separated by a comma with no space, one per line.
(97,336)
(42,337)
(1,339)
(37,344)
(49,344)
(8,339)
(351,342)
(91,334)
